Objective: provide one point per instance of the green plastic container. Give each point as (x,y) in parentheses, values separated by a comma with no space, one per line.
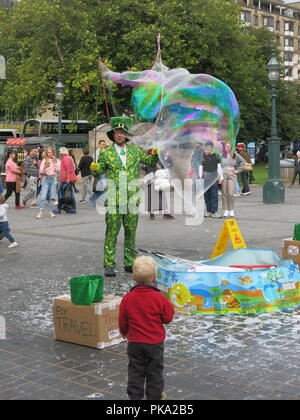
(296,236)
(86,290)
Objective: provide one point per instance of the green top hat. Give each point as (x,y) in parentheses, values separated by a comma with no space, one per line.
(120,123)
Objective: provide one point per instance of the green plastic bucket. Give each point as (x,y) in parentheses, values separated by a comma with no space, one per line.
(86,290)
(296,236)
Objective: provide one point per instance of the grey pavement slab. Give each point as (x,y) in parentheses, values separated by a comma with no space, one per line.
(235,357)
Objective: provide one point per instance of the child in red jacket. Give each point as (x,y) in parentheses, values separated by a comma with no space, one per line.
(143,311)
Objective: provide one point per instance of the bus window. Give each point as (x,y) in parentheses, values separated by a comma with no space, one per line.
(49,128)
(75,132)
(4,134)
(83,128)
(31,128)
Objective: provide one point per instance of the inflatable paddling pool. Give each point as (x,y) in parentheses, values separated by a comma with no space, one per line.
(242,281)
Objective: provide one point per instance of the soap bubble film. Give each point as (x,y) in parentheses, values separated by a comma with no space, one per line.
(178,112)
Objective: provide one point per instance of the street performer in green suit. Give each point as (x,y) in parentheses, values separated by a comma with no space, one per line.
(121,163)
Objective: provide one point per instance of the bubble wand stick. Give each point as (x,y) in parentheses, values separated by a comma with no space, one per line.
(104,91)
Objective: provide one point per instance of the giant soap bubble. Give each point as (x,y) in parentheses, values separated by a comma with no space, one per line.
(179,112)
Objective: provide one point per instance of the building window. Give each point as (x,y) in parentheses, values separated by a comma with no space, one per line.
(246,16)
(269,21)
(288,72)
(288,42)
(289,26)
(288,56)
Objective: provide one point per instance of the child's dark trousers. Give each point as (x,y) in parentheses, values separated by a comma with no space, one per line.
(145,365)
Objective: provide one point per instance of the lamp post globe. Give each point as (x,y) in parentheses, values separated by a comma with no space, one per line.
(273,189)
(59,95)
(273,68)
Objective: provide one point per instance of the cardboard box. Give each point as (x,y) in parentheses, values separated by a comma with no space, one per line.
(93,326)
(291,249)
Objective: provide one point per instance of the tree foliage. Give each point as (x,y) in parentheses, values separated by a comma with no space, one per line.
(46,39)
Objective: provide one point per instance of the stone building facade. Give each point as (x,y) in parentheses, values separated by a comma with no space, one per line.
(284,20)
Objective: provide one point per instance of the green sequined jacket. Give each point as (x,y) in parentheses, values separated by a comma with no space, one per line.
(123,184)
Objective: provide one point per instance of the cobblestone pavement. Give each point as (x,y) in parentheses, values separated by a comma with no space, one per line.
(233,357)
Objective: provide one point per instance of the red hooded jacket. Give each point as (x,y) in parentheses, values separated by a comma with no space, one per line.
(143,311)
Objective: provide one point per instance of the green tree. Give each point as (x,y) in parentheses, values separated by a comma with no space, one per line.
(288,111)
(191,39)
(46,39)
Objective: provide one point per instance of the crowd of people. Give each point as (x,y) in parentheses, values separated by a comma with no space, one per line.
(46,181)
(50,182)
(220,175)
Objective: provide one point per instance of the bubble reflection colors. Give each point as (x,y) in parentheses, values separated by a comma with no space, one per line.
(178,112)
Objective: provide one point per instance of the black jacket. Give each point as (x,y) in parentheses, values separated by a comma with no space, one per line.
(84,165)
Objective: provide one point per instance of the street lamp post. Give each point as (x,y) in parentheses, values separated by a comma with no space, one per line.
(273,189)
(59,95)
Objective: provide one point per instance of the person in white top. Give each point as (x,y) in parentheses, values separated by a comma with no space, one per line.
(4,225)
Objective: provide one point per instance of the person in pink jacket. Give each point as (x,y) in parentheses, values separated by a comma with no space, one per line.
(67,176)
(67,167)
(11,171)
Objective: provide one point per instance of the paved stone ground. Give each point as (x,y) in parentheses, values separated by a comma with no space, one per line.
(233,357)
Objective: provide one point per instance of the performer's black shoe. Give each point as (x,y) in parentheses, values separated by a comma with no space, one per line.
(109,272)
(128,269)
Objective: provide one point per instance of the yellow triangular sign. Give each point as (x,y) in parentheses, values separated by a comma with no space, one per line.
(230,230)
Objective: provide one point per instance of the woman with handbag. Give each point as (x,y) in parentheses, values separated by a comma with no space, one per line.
(248,167)
(67,177)
(156,198)
(231,165)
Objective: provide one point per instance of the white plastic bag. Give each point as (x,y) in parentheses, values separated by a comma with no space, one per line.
(162,181)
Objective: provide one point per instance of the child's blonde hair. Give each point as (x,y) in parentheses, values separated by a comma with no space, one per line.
(144,270)
(2,199)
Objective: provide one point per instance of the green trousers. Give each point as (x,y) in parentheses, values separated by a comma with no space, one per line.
(113,226)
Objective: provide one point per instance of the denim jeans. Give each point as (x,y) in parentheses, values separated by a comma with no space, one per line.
(95,196)
(4,228)
(211,198)
(1,186)
(31,189)
(48,187)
